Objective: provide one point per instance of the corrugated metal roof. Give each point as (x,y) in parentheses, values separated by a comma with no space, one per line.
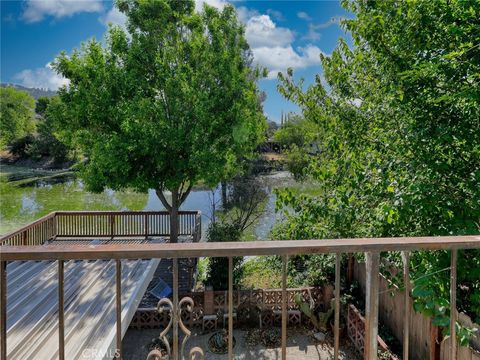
(32,306)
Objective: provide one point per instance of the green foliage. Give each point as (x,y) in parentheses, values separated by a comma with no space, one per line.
(41,105)
(172,103)
(398,117)
(202,269)
(297,161)
(19,147)
(295,131)
(318,318)
(17,115)
(298,137)
(217,269)
(46,141)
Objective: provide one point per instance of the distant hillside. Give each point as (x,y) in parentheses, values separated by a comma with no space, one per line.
(35,92)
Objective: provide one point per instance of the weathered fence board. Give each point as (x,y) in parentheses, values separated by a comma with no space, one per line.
(391,313)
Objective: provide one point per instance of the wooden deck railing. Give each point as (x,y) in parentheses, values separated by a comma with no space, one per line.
(95,224)
(119,252)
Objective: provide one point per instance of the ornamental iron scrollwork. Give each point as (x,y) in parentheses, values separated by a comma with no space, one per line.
(166,305)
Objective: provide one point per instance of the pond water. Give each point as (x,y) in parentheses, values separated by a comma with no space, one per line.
(21,204)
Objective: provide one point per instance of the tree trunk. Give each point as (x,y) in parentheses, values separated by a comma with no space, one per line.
(174,217)
(350,268)
(177,199)
(224,194)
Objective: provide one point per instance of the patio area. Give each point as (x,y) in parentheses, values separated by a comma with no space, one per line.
(300,345)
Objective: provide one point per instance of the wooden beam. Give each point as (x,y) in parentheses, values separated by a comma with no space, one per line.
(371,305)
(226,249)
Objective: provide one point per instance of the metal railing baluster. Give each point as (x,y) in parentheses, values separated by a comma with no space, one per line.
(453,304)
(336,332)
(230,308)
(175,308)
(371,304)
(284,306)
(3,310)
(406,319)
(61,310)
(118,307)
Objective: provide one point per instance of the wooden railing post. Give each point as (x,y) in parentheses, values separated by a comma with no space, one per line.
(371,305)
(146,226)
(112,225)
(54,226)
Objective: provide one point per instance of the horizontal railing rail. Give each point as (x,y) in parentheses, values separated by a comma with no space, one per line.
(370,246)
(227,249)
(95,224)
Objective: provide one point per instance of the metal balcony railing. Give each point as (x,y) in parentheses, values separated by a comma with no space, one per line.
(118,252)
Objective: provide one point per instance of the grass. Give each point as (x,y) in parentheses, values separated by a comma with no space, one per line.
(259,274)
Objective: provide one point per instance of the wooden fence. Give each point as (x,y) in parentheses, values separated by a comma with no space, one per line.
(98,224)
(423,334)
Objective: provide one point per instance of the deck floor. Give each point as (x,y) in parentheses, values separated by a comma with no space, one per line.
(32,306)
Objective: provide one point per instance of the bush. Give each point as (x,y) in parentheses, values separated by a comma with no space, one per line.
(16,115)
(297,162)
(46,144)
(217,269)
(20,146)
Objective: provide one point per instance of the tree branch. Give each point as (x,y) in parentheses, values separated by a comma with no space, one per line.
(183,196)
(163,199)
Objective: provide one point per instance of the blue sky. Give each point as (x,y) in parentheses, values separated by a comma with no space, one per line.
(282,34)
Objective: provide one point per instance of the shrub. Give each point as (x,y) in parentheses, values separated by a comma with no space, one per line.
(20,146)
(217,270)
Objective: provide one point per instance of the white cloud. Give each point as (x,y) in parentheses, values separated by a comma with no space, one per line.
(44,78)
(313,33)
(244,13)
(304,16)
(262,31)
(278,59)
(272,46)
(115,17)
(37,10)
(215,3)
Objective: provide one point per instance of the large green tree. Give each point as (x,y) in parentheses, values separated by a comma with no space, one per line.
(399,123)
(16,115)
(164,105)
